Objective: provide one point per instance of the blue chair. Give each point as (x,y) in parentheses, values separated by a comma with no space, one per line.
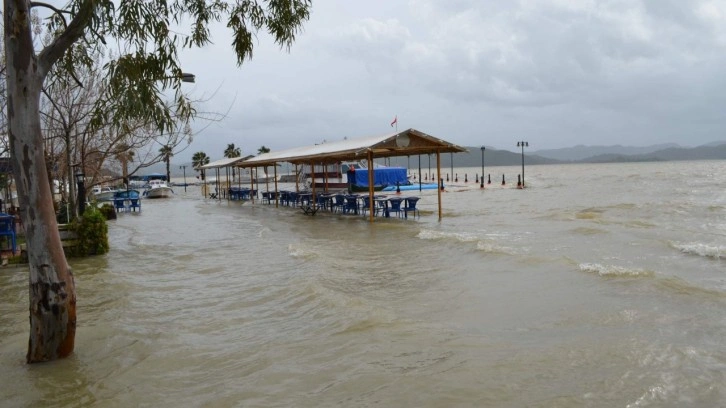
(395,206)
(365,205)
(351,204)
(338,202)
(135,204)
(120,204)
(7,229)
(378,206)
(292,198)
(410,205)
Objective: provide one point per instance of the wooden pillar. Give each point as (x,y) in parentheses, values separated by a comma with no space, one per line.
(277,194)
(438,179)
(312,184)
(371,180)
(218,186)
(325,178)
(267,184)
(252,183)
(297,179)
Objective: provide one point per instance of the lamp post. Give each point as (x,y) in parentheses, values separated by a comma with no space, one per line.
(522,145)
(187,77)
(80,181)
(184,170)
(481,185)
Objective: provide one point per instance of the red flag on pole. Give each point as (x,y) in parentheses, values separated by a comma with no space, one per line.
(395,120)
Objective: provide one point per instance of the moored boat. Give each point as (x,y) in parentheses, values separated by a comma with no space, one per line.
(158,189)
(103,193)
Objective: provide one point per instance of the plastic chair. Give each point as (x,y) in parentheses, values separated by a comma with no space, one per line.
(7,229)
(351,204)
(120,204)
(395,206)
(338,202)
(410,205)
(135,204)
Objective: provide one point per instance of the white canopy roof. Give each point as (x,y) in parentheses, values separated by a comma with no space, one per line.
(226,162)
(408,142)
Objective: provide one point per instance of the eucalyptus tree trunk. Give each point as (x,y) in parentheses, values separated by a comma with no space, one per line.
(52,289)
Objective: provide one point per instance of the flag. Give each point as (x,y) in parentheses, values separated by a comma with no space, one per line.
(395,120)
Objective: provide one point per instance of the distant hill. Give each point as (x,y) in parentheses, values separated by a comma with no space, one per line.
(705,152)
(581,152)
(577,154)
(492,157)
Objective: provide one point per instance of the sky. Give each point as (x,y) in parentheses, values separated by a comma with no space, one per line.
(554,73)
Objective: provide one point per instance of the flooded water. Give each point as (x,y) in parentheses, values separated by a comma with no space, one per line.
(597,286)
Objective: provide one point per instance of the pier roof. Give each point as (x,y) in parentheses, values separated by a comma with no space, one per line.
(226,162)
(408,142)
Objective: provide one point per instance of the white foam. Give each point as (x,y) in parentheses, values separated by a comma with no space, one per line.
(495,249)
(458,236)
(297,251)
(614,270)
(696,248)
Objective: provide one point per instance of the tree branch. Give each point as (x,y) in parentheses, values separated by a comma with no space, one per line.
(55,9)
(52,53)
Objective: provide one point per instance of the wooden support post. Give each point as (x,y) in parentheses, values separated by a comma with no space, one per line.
(438,180)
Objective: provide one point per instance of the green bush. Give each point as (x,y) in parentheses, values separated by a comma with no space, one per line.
(92,233)
(108,211)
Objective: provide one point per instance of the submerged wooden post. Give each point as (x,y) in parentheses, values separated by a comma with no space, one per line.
(252,183)
(371,180)
(219,195)
(312,177)
(297,180)
(277,195)
(438,171)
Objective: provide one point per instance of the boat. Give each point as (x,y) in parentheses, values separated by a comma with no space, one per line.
(143,181)
(353,176)
(412,187)
(157,189)
(103,193)
(383,177)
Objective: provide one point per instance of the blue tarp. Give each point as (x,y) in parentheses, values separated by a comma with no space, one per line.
(384,176)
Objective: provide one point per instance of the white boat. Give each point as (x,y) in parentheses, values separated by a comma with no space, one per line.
(103,193)
(158,189)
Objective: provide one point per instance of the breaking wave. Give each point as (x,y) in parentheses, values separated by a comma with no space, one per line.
(440,235)
(695,248)
(615,271)
(490,248)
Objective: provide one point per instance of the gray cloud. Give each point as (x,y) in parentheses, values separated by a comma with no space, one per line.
(556,72)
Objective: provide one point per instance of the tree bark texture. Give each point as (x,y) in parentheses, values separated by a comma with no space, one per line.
(52,289)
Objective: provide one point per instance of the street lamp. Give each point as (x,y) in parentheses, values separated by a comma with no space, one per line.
(187,77)
(184,170)
(482,167)
(522,145)
(80,180)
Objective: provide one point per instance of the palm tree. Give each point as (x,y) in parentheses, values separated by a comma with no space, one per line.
(231,152)
(166,154)
(199,159)
(261,150)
